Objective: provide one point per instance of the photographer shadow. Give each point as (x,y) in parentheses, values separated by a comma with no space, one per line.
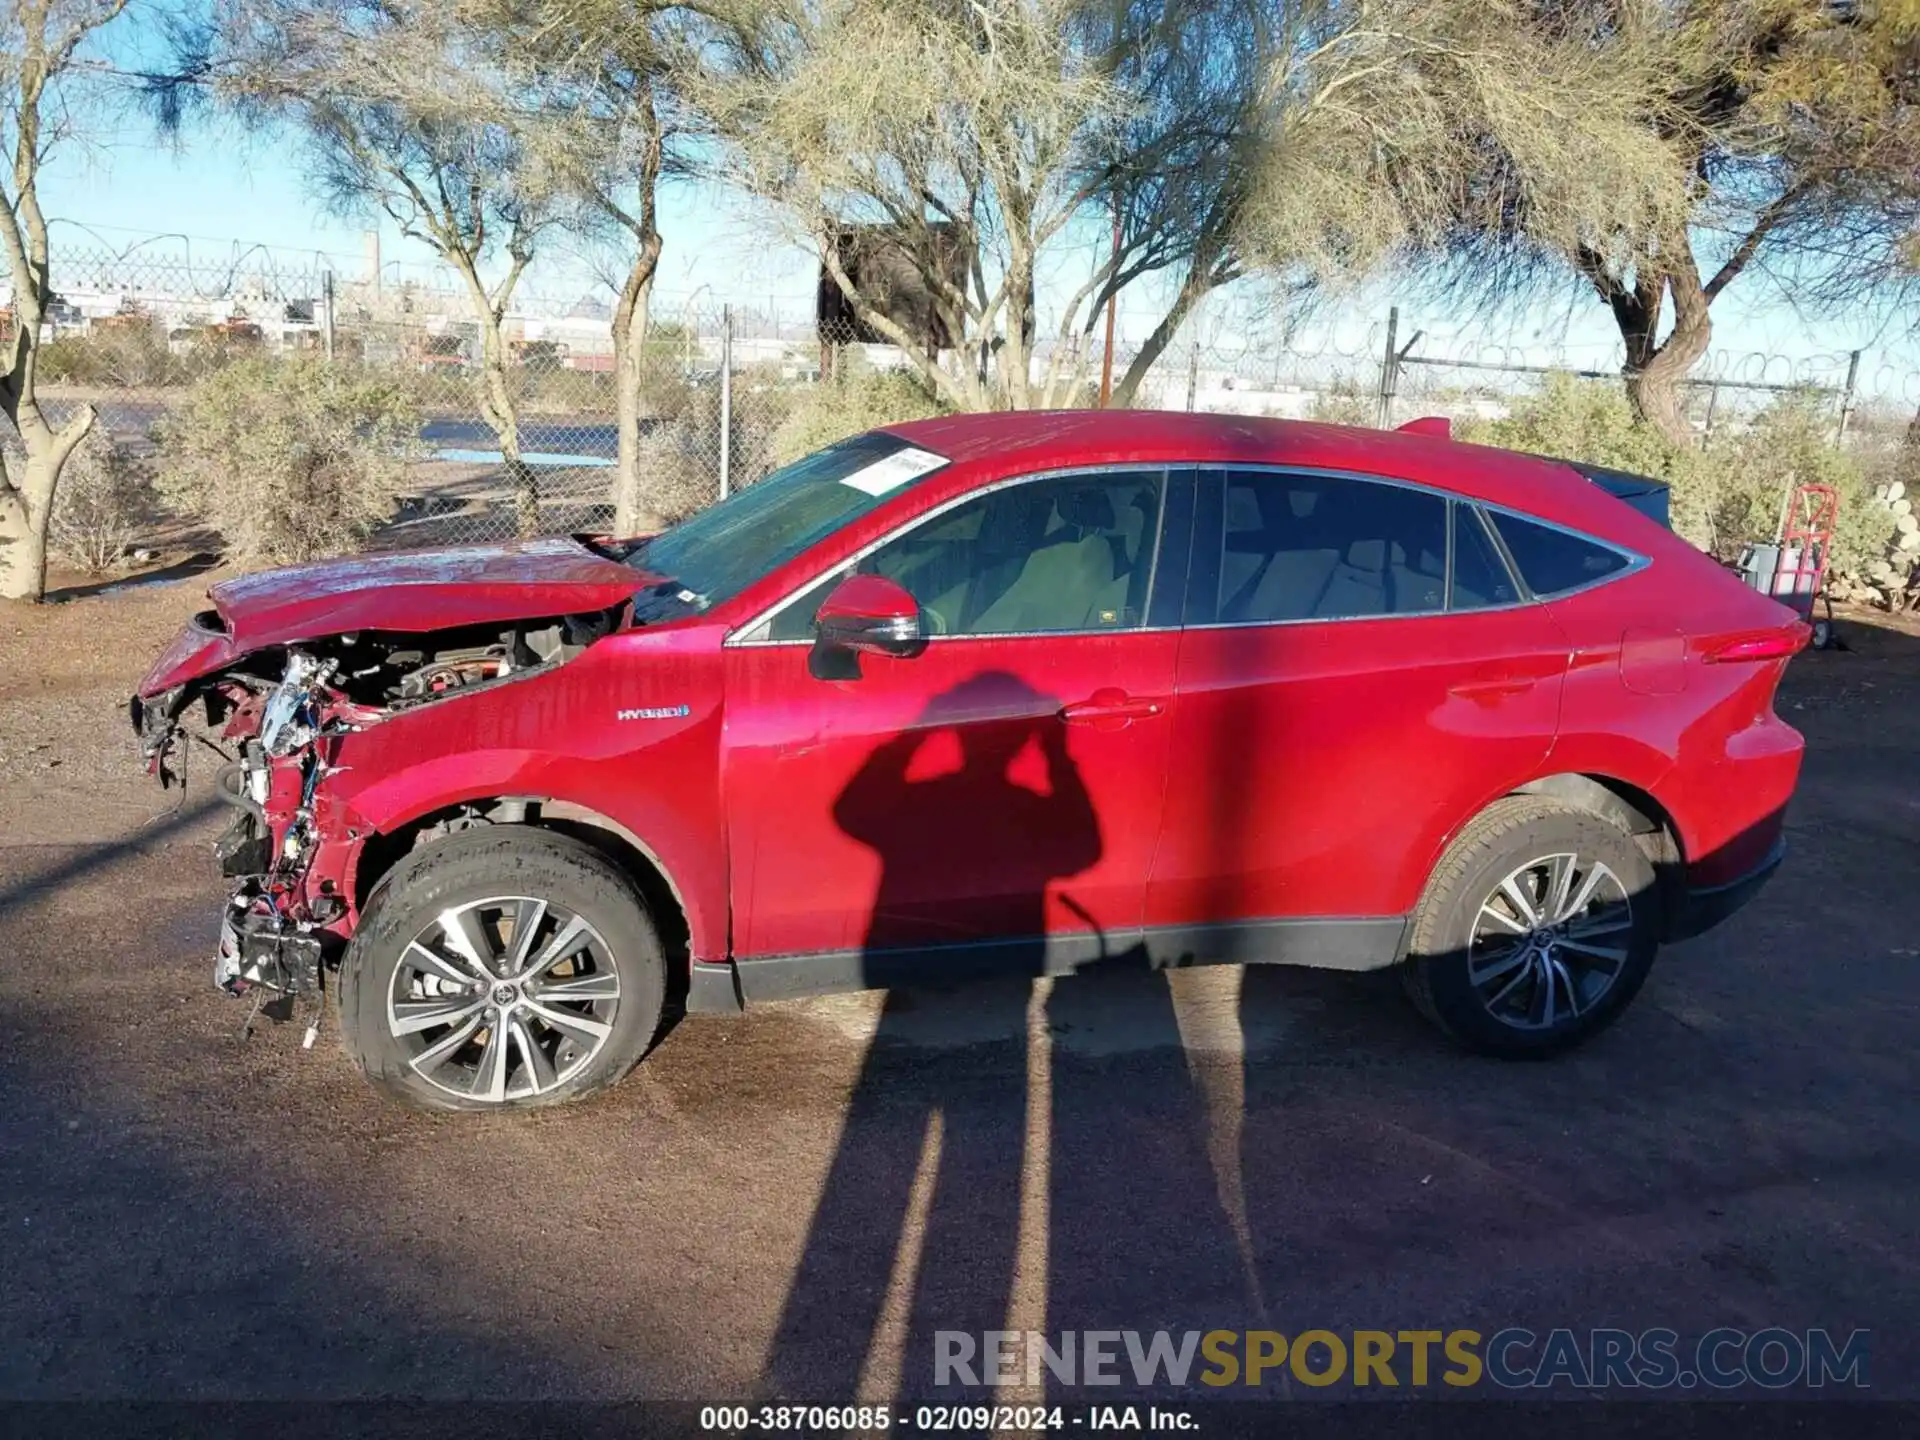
(981,1181)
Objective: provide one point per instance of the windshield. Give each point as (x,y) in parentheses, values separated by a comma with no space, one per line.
(726,547)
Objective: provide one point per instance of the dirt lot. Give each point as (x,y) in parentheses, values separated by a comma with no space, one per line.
(184,1214)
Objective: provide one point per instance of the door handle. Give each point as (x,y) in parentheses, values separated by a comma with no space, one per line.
(1492,689)
(1110,704)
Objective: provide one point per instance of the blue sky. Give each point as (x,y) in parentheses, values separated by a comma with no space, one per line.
(220,191)
(218,188)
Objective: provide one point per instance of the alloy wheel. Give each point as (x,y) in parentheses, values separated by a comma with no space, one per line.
(1550,941)
(503,999)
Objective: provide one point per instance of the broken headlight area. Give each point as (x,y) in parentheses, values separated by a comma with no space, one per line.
(273,932)
(287,695)
(275,717)
(292,715)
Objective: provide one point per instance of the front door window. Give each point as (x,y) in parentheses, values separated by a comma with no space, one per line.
(1072,553)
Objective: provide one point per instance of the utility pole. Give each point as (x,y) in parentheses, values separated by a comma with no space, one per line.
(1113,300)
(1848,397)
(1384,407)
(726,401)
(326,313)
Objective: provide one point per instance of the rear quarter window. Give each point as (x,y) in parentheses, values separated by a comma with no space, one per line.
(1554,561)
(1480,577)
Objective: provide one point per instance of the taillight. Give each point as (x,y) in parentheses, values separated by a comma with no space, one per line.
(1778,644)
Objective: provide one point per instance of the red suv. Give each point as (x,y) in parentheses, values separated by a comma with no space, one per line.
(986,694)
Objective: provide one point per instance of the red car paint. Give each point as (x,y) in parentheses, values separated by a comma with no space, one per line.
(1360,723)
(1209,777)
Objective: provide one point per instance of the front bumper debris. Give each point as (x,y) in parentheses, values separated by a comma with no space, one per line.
(274,931)
(257,951)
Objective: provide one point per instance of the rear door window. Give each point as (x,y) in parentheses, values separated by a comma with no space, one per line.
(1324,547)
(1554,561)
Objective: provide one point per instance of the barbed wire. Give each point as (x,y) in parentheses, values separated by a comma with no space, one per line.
(139,321)
(202,270)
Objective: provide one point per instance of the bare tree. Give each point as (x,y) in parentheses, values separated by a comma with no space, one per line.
(613,82)
(1173,165)
(41,50)
(405,114)
(950,127)
(629,94)
(1306,141)
(458,188)
(1796,125)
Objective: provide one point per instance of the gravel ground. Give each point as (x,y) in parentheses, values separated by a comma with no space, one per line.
(188,1215)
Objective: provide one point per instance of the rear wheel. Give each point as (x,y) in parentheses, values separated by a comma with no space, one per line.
(502,968)
(1538,927)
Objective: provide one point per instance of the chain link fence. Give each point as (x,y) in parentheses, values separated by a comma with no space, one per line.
(1389,370)
(511,434)
(520,436)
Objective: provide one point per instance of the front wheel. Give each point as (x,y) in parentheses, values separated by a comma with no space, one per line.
(502,968)
(1538,927)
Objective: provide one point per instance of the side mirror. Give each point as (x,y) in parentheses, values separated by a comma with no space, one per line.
(871,615)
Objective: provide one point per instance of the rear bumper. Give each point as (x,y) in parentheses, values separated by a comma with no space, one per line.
(1706,907)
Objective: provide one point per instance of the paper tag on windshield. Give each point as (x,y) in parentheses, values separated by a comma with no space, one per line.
(892,471)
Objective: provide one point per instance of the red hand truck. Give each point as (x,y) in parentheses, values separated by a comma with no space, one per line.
(1793,570)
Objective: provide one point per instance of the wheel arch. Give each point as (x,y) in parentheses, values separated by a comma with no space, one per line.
(1633,809)
(665,899)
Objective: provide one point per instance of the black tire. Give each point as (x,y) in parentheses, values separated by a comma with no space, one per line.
(468,869)
(1451,937)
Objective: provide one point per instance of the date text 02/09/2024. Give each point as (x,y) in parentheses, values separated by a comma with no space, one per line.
(935,1419)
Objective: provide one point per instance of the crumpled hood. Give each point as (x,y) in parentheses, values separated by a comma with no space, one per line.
(412,592)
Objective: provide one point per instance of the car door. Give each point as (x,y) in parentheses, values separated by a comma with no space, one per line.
(992,802)
(1358,676)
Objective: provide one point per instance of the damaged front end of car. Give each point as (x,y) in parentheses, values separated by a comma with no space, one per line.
(276,719)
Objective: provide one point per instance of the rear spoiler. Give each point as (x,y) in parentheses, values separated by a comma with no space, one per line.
(1645,494)
(1642,492)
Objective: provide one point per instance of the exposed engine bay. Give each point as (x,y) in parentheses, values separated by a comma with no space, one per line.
(274,719)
